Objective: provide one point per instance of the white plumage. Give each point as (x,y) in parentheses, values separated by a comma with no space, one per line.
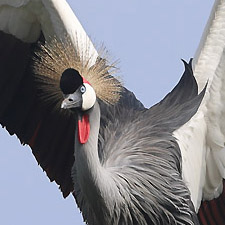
(204,161)
(26,20)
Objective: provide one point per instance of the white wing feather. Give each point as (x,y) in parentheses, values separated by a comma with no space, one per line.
(25,19)
(202,139)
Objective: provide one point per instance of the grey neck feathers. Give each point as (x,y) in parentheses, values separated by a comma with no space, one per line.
(93,179)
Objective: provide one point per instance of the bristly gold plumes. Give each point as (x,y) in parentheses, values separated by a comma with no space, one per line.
(53,58)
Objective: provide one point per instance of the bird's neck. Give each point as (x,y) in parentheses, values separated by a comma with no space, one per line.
(86,155)
(93,179)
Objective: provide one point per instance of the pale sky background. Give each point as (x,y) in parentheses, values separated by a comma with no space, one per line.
(149,37)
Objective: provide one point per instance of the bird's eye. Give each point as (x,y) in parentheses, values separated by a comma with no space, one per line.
(82,89)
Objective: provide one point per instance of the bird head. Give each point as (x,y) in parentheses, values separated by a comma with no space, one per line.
(68,76)
(78,92)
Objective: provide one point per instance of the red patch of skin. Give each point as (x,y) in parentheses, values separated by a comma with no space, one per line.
(83,125)
(83,129)
(85,81)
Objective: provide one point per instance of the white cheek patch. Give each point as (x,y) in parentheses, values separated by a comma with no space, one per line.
(89,97)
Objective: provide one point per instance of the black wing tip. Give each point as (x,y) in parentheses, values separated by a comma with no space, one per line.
(190,61)
(182,102)
(188,65)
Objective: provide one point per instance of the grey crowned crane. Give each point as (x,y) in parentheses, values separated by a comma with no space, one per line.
(124,164)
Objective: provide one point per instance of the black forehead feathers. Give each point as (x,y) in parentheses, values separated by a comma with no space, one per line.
(70,81)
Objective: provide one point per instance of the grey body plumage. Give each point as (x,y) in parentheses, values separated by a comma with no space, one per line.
(129,172)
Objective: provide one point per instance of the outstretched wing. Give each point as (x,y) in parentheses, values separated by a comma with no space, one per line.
(49,134)
(202,139)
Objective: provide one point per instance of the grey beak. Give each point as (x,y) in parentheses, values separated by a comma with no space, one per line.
(72,101)
(65,104)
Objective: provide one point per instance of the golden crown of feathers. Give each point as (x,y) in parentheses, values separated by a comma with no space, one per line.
(53,58)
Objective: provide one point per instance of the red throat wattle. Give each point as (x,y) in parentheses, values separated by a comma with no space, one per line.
(83,129)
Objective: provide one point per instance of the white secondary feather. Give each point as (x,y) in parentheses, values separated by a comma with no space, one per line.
(25,19)
(202,139)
